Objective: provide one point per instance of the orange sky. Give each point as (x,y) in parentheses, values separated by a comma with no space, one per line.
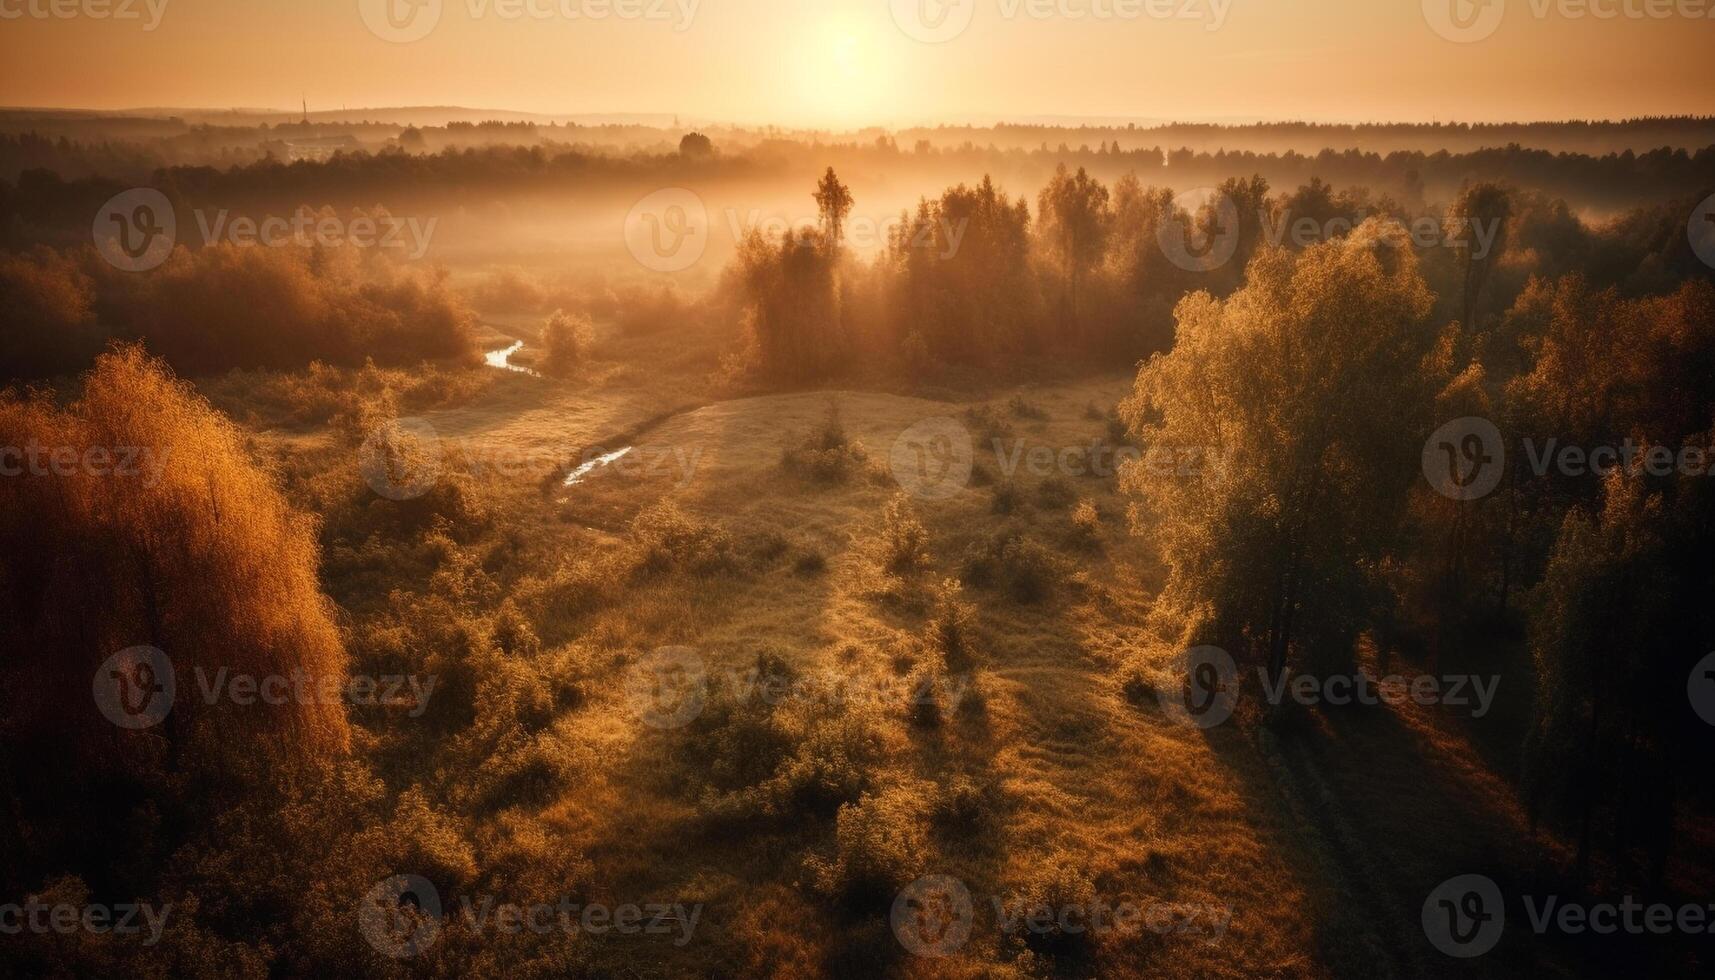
(848,62)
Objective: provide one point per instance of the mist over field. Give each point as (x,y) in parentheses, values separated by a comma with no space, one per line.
(872,488)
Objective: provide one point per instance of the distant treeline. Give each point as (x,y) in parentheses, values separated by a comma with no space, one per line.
(43,206)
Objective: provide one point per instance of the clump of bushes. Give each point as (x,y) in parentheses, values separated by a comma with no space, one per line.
(904,539)
(988,424)
(826,454)
(664,538)
(880,843)
(1024,408)
(226,306)
(565,343)
(1055,493)
(1086,525)
(1057,883)
(951,630)
(1008,560)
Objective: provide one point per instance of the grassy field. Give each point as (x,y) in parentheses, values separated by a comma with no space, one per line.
(860,724)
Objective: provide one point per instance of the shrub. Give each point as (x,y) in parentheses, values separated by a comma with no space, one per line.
(666,539)
(1058,883)
(565,343)
(827,454)
(1024,408)
(1086,525)
(1010,561)
(952,626)
(880,843)
(1008,499)
(905,542)
(988,423)
(1055,493)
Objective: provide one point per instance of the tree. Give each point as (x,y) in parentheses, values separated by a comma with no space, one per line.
(565,340)
(696,145)
(1073,222)
(1481,206)
(189,549)
(1286,482)
(834,202)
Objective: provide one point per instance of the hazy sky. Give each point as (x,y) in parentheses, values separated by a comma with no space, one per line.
(849,62)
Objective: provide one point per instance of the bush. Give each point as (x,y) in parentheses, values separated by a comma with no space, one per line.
(1010,561)
(905,542)
(880,843)
(1008,499)
(665,539)
(1055,493)
(952,626)
(1024,408)
(827,454)
(565,343)
(1086,525)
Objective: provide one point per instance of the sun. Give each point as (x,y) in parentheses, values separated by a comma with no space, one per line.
(846,75)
